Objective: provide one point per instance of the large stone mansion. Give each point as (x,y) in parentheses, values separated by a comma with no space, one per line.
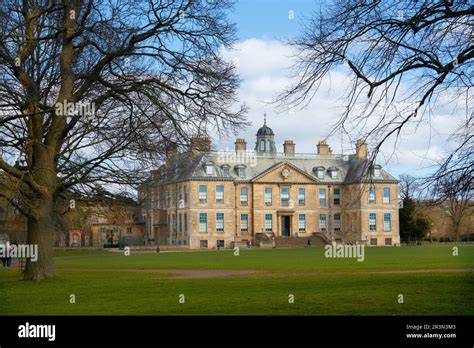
(205,199)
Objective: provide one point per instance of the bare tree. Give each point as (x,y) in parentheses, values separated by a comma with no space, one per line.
(406,58)
(459,202)
(91,89)
(408,186)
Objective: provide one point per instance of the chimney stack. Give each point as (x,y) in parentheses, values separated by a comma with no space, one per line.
(240,145)
(323,148)
(171,149)
(200,144)
(361,150)
(289,148)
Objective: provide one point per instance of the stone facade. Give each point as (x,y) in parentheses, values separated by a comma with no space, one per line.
(206,199)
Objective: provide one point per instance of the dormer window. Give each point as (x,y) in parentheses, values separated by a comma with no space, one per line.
(240,170)
(376,171)
(334,172)
(225,169)
(319,171)
(209,169)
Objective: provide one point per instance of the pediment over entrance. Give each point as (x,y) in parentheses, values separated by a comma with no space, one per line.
(284,172)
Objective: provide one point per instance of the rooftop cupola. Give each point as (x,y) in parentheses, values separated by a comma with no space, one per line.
(265,139)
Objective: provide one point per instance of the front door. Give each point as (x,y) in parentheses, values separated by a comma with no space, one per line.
(285,226)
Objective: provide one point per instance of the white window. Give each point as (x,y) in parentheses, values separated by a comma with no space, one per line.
(334,174)
(386,194)
(262,145)
(372,222)
(337,196)
(241,171)
(268,196)
(244,196)
(203,222)
(220,194)
(337,222)
(322,196)
(322,222)
(372,194)
(285,195)
(202,194)
(301,222)
(377,172)
(387,222)
(209,169)
(268,222)
(244,222)
(225,170)
(320,173)
(301,196)
(220,222)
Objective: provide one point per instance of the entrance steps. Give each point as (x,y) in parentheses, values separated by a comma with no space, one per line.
(270,241)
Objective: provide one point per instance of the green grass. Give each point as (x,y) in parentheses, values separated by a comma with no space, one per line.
(148,293)
(284,260)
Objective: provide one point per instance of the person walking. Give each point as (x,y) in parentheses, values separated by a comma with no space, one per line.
(8,259)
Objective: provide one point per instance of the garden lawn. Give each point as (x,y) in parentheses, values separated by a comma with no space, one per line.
(105,284)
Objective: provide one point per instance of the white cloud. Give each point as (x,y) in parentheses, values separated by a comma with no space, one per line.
(264,66)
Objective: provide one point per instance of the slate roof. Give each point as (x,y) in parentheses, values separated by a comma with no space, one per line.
(192,166)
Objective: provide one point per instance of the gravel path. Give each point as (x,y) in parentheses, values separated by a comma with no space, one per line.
(219,273)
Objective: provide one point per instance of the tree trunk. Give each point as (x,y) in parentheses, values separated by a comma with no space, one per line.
(40,233)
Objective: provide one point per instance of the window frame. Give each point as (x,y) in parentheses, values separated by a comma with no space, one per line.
(282,195)
(301,222)
(374,224)
(323,226)
(268,223)
(337,196)
(202,194)
(322,201)
(337,222)
(268,195)
(301,201)
(386,198)
(220,223)
(372,196)
(246,222)
(389,221)
(246,201)
(219,200)
(201,222)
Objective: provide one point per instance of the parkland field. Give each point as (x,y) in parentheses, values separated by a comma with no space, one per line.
(407,280)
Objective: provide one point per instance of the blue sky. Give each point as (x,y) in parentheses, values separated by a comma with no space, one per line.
(270,19)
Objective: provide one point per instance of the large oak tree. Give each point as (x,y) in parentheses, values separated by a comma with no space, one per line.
(92,90)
